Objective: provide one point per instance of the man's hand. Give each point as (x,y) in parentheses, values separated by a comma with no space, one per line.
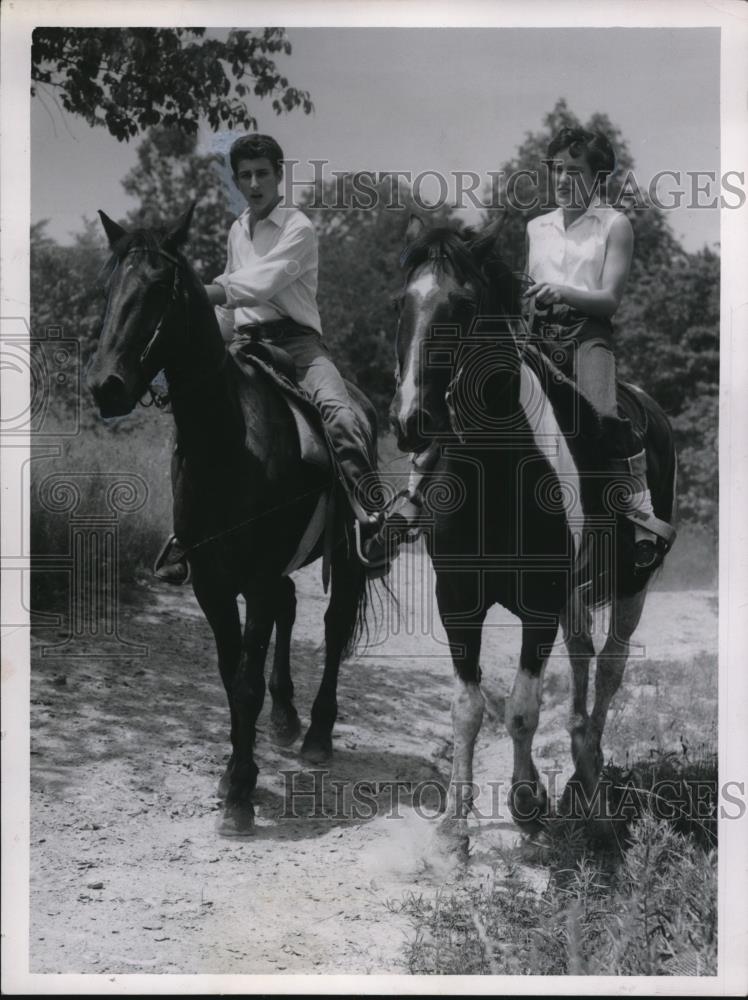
(546,293)
(216,294)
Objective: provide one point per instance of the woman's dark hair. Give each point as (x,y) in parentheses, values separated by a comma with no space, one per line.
(594,145)
(254,147)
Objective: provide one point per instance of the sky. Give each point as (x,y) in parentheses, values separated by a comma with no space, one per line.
(443,99)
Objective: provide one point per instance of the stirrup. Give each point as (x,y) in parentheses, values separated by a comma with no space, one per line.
(666,533)
(176,571)
(648,555)
(405,527)
(374,568)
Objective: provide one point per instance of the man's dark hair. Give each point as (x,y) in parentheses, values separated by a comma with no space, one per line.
(594,145)
(254,147)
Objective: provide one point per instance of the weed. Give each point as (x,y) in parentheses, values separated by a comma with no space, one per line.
(644,905)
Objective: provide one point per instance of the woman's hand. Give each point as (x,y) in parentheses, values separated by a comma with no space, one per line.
(546,293)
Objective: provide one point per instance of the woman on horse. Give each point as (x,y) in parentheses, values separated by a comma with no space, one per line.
(579,258)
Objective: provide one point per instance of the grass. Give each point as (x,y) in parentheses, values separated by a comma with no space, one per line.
(641,902)
(667,704)
(645,904)
(91,462)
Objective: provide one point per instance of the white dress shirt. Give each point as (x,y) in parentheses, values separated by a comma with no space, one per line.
(573,255)
(272,275)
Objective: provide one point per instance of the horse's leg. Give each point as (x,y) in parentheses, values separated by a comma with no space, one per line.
(611,663)
(222,613)
(347,581)
(248,694)
(528,797)
(284,718)
(576,623)
(467,716)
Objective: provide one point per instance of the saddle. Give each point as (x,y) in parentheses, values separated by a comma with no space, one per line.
(630,405)
(277,367)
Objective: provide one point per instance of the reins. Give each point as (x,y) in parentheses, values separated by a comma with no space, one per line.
(162,399)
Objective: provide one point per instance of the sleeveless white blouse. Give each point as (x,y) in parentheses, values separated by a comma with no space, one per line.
(573,256)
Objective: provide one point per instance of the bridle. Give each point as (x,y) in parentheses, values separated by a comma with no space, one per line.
(519,327)
(161,399)
(173,298)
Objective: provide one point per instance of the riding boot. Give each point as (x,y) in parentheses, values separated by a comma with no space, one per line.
(627,459)
(403,519)
(172,564)
(380,538)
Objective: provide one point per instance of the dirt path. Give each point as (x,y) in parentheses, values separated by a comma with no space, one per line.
(127,873)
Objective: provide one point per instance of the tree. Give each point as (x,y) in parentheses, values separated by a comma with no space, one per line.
(667,328)
(359,273)
(168,176)
(66,283)
(129,79)
(654,240)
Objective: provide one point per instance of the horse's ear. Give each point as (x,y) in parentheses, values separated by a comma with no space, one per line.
(179,232)
(114,232)
(416,228)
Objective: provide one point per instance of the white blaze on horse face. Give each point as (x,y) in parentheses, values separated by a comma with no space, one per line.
(551,442)
(420,290)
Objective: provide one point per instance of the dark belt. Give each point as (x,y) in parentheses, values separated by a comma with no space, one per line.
(275,329)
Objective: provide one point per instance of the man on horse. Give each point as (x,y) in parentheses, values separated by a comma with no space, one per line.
(268,291)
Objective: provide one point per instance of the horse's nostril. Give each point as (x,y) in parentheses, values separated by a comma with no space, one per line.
(113,383)
(111,396)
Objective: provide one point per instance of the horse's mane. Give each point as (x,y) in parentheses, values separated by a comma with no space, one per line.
(472,258)
(576,416)
(442,246)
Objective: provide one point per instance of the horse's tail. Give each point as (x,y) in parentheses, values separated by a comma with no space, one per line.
(370,600)
(373,599)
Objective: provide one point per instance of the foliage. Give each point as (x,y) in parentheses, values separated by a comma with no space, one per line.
(652,912)
(130,79)
(359,272)
(668,331)
(667,328)
(167,178)
(67,291)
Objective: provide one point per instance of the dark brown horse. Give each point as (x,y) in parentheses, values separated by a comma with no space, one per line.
(532,524)
(242,495)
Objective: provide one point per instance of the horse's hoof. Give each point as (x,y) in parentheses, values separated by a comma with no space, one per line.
(538,839)
(284,732)
(223,786)
(237,821)
(316,750)
(449,845)
(529,806)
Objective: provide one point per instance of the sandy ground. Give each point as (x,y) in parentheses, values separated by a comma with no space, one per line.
(127,872)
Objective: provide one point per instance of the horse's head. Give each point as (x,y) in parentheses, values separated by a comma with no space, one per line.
(143,288)
(451,282)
